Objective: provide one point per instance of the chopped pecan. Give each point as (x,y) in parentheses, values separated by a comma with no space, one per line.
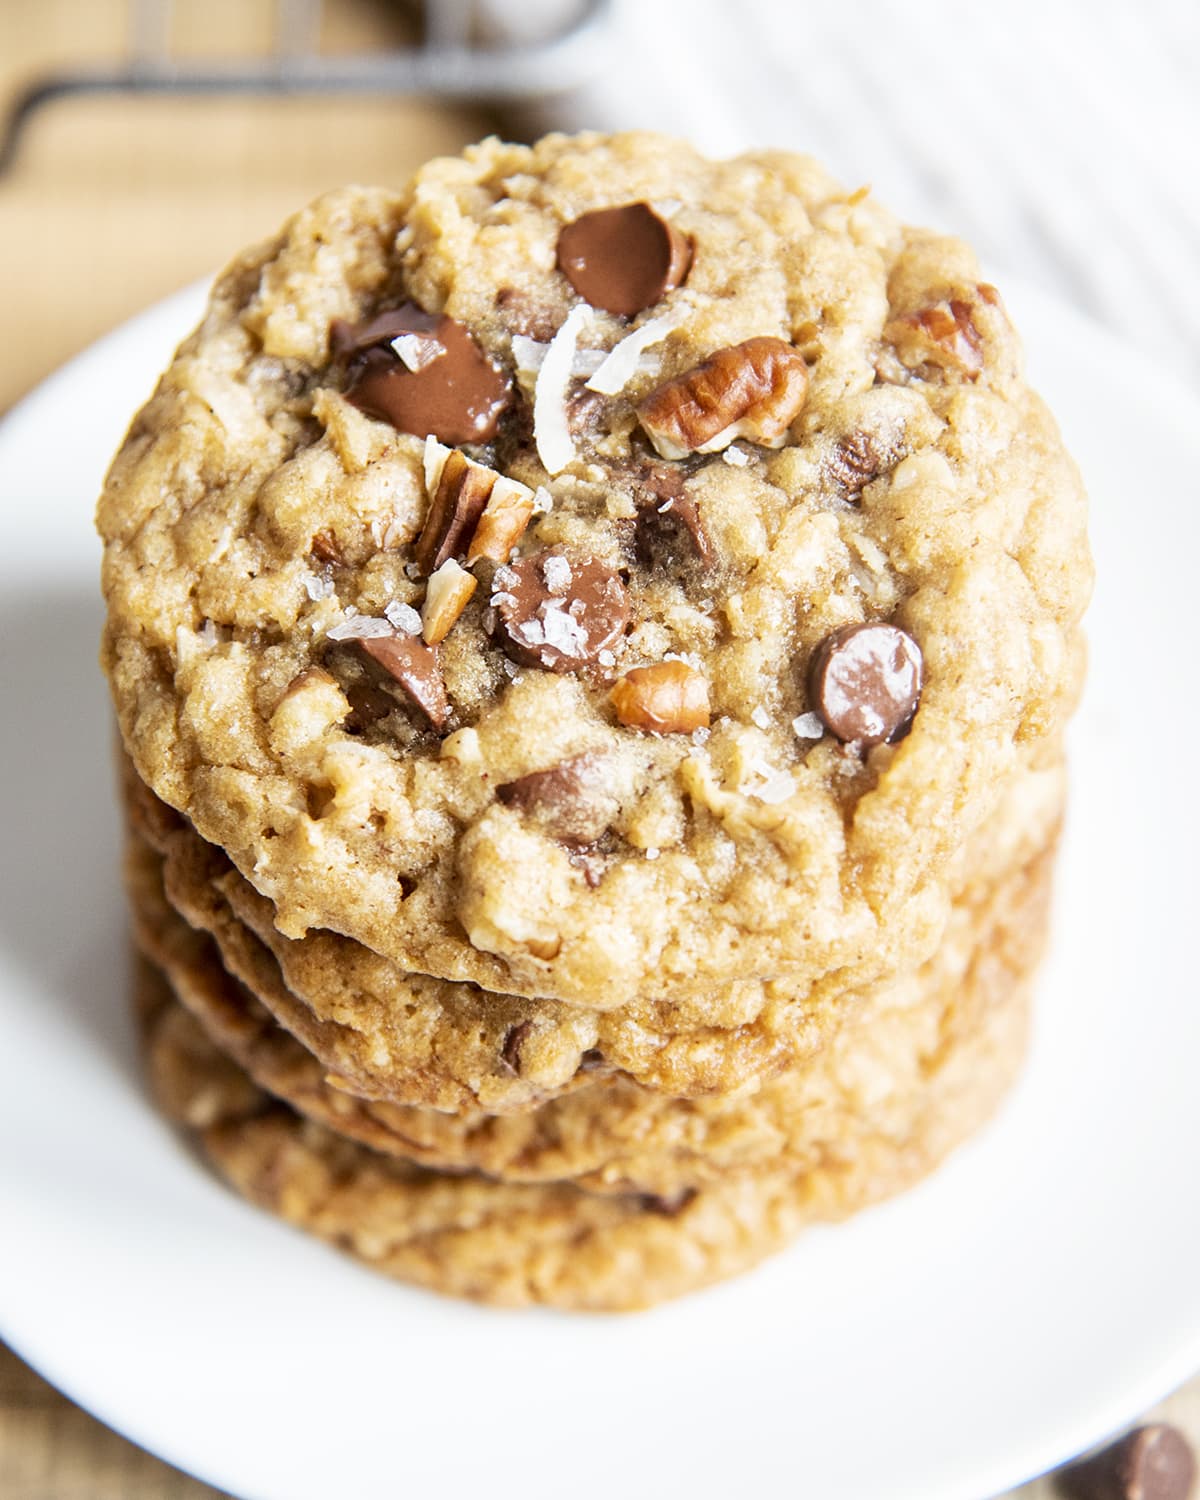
(752,390)
(504,519)
(415,666)
(455,506)
(944,334)
(857,459)
(668,697)
(445,599)
(324,546)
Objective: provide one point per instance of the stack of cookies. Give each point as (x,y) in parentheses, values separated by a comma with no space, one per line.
(592,635)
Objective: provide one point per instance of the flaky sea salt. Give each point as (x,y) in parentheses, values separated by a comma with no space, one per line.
(556,572)
(738,457)
(418,350)
(606,658)
(543,501)
(761,717)
(318,586)
(775,786)
(808,727)
(404,617)
(652,853)
(356,627)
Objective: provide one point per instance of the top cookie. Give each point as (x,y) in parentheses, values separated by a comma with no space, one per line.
(595,571)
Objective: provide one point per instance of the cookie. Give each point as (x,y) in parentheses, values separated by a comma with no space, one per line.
(553,1243)
(612,1135)
(388,1035)
(510,624)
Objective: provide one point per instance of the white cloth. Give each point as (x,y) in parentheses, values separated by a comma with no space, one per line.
(1058,136)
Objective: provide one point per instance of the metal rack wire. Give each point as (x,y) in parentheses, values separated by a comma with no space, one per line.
(449,62)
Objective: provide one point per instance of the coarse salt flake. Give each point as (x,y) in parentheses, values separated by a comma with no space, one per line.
(404,617)
(738,457)
(556,571)
(761,717)
(418,351)
(318,586)
(808,727)
(358,627)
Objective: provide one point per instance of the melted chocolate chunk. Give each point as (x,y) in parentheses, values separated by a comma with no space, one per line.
(415,666)
(623,259)
(558,612)
(864,682)
(514,1040)
(572,801)
(458,397)
(669,532)
(1154,1462)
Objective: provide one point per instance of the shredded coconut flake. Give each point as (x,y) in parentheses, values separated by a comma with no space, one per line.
(418,350)
(358,627)
(738,457)
(761,718)
(404,617)
(808,727)
(621,364)
(529,357)
(551,431)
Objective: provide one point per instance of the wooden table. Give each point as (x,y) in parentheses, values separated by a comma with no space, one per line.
(113,203)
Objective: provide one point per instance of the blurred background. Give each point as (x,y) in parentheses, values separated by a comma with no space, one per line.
(149,139)
(1057,135)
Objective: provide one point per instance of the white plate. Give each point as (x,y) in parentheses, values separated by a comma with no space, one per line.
(1040,1290)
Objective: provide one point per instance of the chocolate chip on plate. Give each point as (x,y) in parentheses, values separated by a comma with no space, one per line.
(558,612)
(1154,1462)
(864,682)
(456,397)
(623,259)
(415,666)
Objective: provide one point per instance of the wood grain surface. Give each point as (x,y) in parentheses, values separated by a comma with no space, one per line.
(113,203)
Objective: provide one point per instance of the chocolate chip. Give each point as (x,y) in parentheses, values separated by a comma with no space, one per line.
(857,459)
(670,1206)
(558,612)
(572,801)
(415,666)
(1154,1462)
(669,531)
(457,398)
(623,259)
(368,704)
(514,1040)
(458,502)
(865,682)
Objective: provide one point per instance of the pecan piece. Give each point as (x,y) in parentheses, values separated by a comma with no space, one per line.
(943,333)
(415,666)
(456,504)
(504,519)
(668,697)
(445,599)
(752,390)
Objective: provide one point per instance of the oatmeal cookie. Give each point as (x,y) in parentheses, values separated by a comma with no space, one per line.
(589,626)
(555,1243)
(612,1135)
